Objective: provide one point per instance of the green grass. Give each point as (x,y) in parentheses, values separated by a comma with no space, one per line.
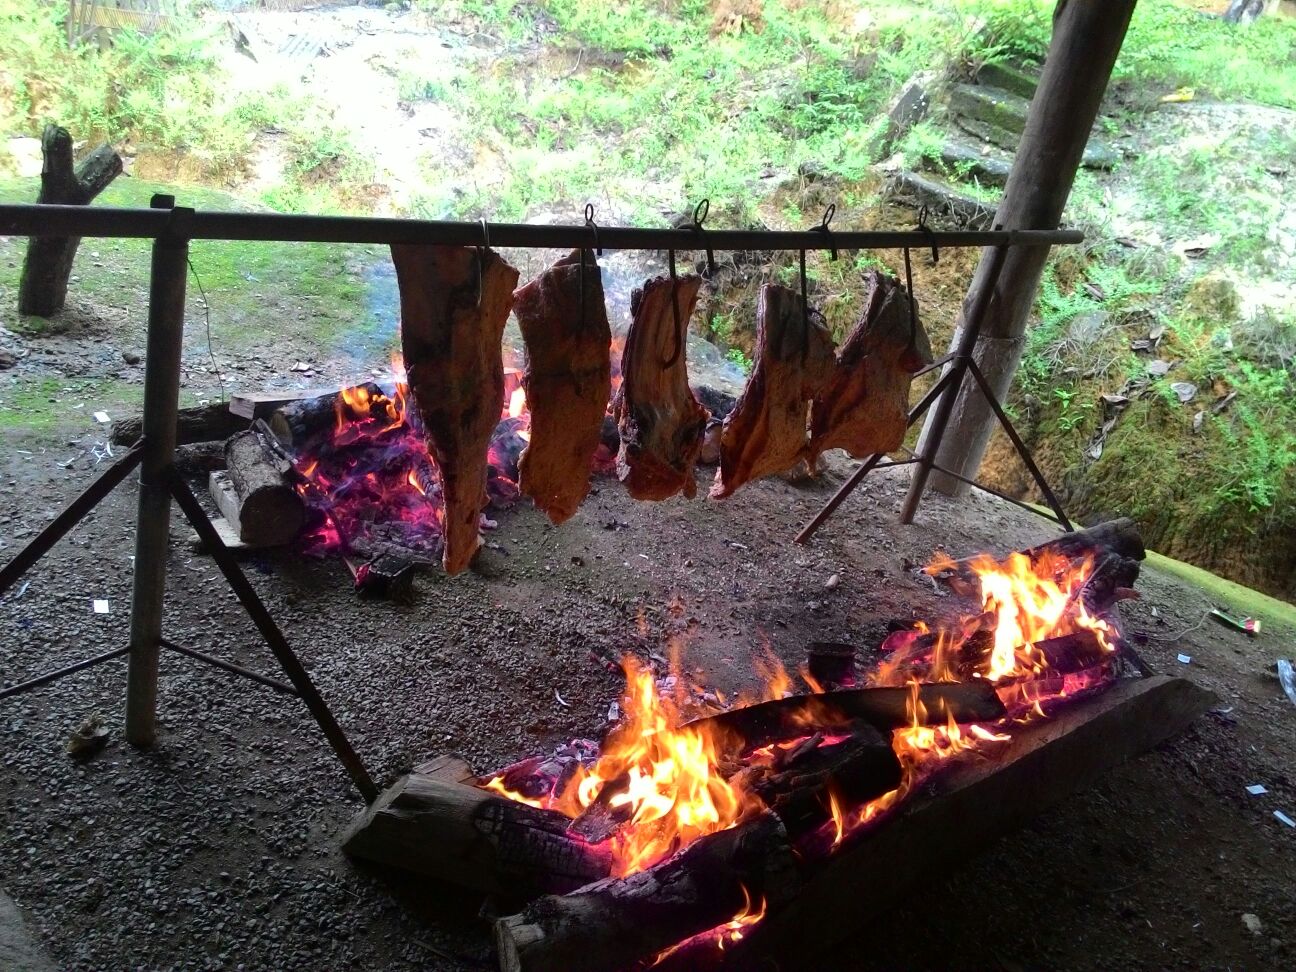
(1225,593)
(32,404)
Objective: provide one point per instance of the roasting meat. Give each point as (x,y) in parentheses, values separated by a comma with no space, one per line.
(568,380)
(454,303)
(766,432)
(864,408)
(660,422)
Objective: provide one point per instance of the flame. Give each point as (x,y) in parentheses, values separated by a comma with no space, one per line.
(730,933)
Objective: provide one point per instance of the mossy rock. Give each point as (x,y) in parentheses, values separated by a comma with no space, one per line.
(1212,297)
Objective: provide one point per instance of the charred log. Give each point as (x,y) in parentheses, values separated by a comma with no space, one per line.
(296,420)
(469,836)
(884,708)
(766,431)
(567,381)
(615,923)
(961,811)
(660,421)
(199,423)
(454,304)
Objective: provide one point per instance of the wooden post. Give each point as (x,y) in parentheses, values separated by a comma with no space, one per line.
(1087,36)
(152,533)
(48,264)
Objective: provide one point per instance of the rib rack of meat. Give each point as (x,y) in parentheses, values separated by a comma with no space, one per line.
(766,431)
(568,380)
(660,422)
(454,303)
(864,408)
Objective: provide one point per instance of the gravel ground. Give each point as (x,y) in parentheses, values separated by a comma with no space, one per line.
(217,848)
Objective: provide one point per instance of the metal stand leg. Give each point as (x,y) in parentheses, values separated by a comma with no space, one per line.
(958,368)
(274,638)
(161,404)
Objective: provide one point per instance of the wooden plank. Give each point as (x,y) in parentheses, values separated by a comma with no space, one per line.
(956,815)
(254,405)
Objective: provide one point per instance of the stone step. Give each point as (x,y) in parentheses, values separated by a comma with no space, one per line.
(946,204)
(990,106)
(970,162)
(997,117)
(1017,79)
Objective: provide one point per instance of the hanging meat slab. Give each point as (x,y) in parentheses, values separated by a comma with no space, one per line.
(766,432)
(454,303)
(864,408)
(660,422)
(568,381)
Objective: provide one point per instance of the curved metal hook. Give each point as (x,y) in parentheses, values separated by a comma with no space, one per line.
(699,217)
(823,228)
(593,227)
(679,329)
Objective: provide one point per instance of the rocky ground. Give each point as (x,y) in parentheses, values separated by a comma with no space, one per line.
(217,849)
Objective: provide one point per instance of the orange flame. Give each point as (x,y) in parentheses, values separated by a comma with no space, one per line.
(730,933)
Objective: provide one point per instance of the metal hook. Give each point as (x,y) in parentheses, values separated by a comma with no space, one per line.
(931,236)
(679,330)
(481,259)
(593,227)
(699,217)
(823,228)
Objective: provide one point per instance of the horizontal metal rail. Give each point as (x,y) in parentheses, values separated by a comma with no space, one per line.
(106,221)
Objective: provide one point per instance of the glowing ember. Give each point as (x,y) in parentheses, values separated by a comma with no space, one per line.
(370,482)
(730,933)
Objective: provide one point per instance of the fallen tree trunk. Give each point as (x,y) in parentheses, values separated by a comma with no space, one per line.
(472,837)
(615,923)
(212,422)
(884,708)
(267,510)
(42,290)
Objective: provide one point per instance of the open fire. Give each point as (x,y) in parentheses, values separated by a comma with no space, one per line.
(670,773)
(369,482)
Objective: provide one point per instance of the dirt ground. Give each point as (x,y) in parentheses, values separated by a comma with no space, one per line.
(217,849)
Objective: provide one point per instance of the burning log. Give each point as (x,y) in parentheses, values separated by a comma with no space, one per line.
(454,304)
(298,419)
(568,381)
(660,421)
(471,837)
(199,423)
(261,505)
(964,808)
(1115,546)
(864,408)
(766,431)
(885,708)
(617,922)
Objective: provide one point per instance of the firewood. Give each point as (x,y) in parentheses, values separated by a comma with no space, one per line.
(463,834)
(567,381)
(270,511)
(885,708)
(42,289)
(864,408)
(255,405)
(766,432)
(615,923)
(660,421)
(454,304)
(199,423)
(297,420)
(961,810)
